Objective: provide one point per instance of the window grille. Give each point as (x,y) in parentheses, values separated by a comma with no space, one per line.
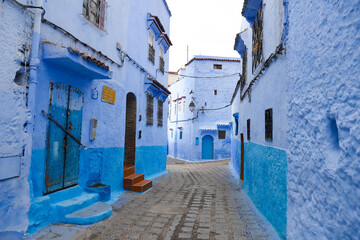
(268,125)
(94,11)
(151,48)
(181,135)
(184,106)
(215,92)
(149,108)
(218,66)
(222,134)
(244,70)
(160,113)
(161,61)
(257,39)
(248,129)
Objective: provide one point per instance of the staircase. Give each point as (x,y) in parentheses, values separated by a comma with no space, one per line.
(135,181)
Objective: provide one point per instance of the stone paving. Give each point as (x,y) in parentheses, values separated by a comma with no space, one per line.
(192,201)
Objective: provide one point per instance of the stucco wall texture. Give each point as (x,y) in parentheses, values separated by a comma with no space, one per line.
(323,120)
(14,33)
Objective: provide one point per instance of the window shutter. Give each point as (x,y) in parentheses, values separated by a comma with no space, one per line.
(160,113)
(102,14)
(149,109)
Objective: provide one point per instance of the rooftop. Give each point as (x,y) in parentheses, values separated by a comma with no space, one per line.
(213,58)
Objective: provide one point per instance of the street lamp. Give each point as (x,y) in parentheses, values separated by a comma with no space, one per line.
(192,106)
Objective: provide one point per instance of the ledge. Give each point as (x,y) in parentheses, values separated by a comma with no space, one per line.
(76,62)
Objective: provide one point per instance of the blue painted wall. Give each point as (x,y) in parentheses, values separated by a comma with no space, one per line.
(201,92)
(265,182)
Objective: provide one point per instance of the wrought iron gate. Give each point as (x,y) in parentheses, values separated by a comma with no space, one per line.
(63,152)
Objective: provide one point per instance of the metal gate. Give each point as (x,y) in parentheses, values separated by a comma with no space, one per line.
(63,152)
(208,147)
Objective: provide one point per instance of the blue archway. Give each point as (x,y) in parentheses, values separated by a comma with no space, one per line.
(207,147)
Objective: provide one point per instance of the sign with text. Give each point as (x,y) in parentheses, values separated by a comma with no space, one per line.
(108,95)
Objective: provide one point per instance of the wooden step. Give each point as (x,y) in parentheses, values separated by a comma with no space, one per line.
(128,170)
(142,186)
(133,178)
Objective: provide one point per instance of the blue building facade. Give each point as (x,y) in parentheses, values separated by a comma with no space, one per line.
(198,119)
(292,149)
(99,72)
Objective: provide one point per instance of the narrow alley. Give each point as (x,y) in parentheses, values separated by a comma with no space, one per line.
(192,201)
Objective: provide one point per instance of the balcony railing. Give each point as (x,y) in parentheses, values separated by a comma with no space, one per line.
(151,54)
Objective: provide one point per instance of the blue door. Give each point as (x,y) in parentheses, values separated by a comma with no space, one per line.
(63,152)
(207,147)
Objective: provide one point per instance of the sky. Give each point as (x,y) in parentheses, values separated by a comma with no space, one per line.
(208,27)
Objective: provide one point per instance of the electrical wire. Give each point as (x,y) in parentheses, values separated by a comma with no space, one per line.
(197,113)
(223,76)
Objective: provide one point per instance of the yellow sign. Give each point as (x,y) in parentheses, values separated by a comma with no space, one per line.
(108,95)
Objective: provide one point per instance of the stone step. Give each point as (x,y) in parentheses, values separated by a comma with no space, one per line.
(89,215)
(133,178)
(128,170)
(69,206)
(142,186)
(65,194)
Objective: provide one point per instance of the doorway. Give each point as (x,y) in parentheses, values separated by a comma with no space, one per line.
(207,147)
(130,130)
(63,152)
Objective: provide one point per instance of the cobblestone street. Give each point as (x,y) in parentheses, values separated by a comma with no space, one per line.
(192,201)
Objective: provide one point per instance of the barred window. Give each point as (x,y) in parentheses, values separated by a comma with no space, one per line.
(217,66)
(94,11)
(257,39)
(181,133)
(160,113)
(149,108)
(222,134)
(268,125)
(244,70)
(151,48)
(161,60)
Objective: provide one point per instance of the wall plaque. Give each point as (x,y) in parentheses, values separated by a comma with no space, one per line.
(108,95)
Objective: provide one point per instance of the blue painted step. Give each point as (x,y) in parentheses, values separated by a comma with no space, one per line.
(74,204)
(65,194)
(95,213)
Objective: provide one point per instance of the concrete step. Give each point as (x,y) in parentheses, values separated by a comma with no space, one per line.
(66,207)
(65,194)
(133,178)
(128,170)
(142,186)
(89,215)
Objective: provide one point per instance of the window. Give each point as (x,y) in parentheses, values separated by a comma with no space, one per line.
(149,108)
(218,66)
(248,129)
(197,141)
(175,109)
(236,126)
(222,134)
(184,106)
(180,137)
(257,39)
(151,48)
(161,60)
(94,11)
(172,134)
(244,70)
(215,92)
(160,113)
(179,107)
(268,125)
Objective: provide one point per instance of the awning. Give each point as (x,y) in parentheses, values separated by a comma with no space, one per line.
(153,23)
(75,61)
(165,42)
(250,10)
(156,89)
(239,45)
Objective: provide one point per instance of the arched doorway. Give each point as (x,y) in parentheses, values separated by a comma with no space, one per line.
(130,130)
(207,147)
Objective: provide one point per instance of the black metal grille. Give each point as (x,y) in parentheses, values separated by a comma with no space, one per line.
(160,113)
(162,65)
(268,125)
(149,109)
(222,134)
(244,67)
(257,39)
(151,54)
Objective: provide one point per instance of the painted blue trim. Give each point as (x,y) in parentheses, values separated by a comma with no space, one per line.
(69,60)
(250,10)
(265,183)
(239,45)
